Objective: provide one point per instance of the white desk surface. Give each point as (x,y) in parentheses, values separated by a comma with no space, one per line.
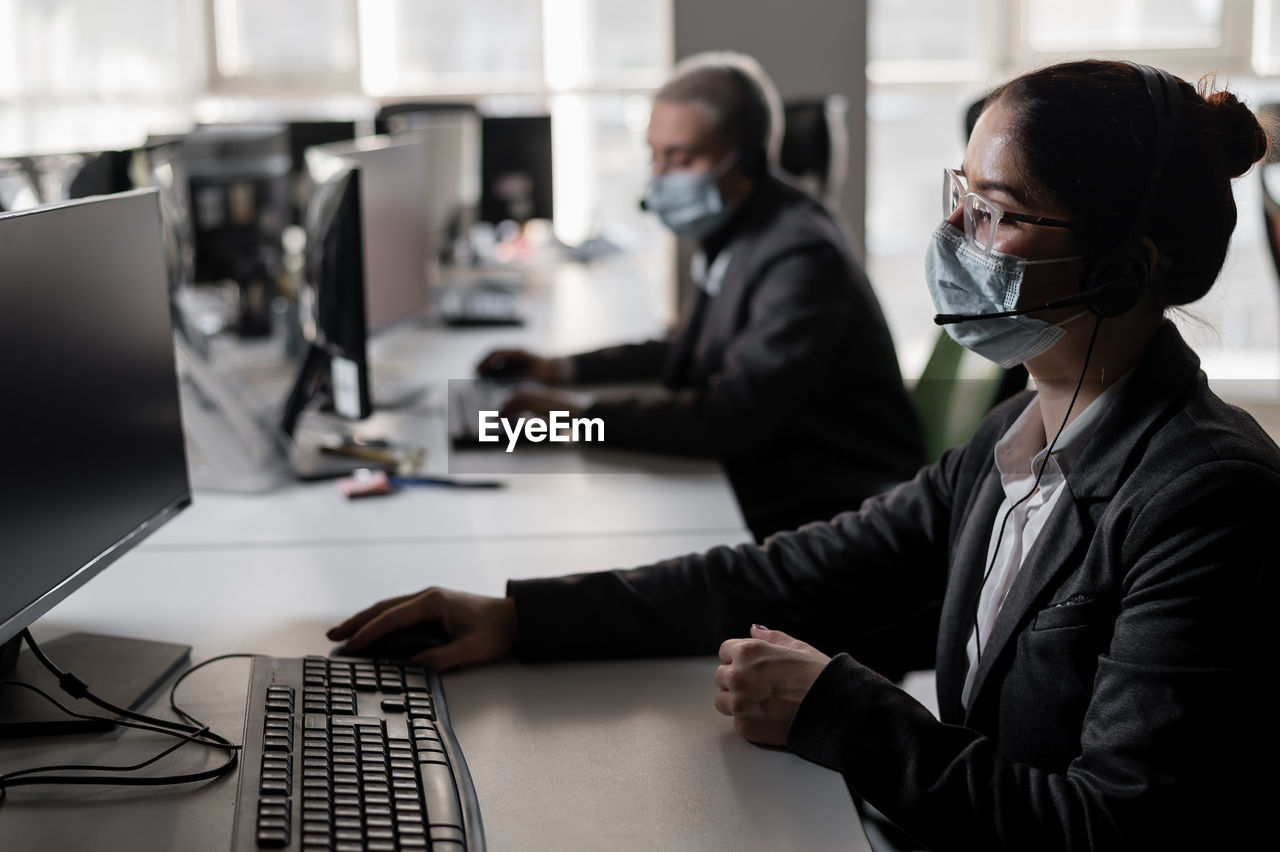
(617,755)
(529,506)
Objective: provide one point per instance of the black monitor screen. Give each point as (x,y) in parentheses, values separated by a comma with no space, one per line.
(515,164)
(92,425)
(306,134)
(336,365)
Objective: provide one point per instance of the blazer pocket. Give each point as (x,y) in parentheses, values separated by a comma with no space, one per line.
(1073,612)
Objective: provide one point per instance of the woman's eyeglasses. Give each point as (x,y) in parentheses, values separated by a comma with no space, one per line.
(982,217)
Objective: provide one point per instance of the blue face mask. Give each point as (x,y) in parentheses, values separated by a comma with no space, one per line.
(964,280)
(689,203)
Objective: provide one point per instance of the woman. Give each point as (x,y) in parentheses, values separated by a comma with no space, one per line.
(1095,561)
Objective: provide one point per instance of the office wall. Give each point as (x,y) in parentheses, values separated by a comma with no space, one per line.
(809,47)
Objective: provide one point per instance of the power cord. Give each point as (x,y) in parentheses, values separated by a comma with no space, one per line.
(196,732)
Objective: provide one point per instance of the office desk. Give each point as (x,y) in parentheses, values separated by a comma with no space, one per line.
(628,755)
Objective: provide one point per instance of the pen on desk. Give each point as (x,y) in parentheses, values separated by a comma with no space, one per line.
(377,483)
(445,481)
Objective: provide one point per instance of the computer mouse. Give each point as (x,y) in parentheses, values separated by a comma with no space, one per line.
(401,643)
(506,367)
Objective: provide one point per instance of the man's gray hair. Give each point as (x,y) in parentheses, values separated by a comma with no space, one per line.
(739,99)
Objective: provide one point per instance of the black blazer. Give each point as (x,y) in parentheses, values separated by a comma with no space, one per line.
(1121,700)
(790,378)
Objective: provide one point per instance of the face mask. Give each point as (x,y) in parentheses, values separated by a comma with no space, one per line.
(689,203)
(964,280)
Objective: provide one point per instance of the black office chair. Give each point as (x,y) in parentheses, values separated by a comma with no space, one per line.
(815,146)
(399,117)
(1269,180)
(971,115)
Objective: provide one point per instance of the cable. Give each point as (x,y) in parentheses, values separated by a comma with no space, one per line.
(200,733)
(77,688)
(75,714)
(1035,486)
(173,690)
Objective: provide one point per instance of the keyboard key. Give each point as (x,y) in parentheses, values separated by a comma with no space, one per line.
(448,846)
(438,791)
(357,722)
(273,838)
(447,832)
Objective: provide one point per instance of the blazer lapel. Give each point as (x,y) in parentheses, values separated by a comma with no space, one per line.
(956,622)
(1059,546)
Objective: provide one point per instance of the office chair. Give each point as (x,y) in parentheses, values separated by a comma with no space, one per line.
(399,117)
(815,146)
(971,116)
(1269,180)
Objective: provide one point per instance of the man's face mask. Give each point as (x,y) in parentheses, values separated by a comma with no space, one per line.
(689,203)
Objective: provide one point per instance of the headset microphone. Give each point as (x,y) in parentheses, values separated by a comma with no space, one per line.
(644,205)
(1064,302)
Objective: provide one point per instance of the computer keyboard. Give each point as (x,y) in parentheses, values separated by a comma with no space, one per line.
(466,401)
(345,755)
(481,304)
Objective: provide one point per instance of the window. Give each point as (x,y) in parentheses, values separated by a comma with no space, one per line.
(447,47)
(81,75)
(131,49)
(266,37)
(1093,25)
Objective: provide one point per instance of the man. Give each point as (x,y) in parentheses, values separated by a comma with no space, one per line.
(781,366)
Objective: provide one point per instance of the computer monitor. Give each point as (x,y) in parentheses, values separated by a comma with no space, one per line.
(335,367)
(516,166)
(239,182)
(31,180)
(395,201)
(304,135)
(93,419)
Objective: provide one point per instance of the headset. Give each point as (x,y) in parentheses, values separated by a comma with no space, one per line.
(1120,276)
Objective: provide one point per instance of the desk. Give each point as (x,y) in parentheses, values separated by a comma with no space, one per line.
(565,756)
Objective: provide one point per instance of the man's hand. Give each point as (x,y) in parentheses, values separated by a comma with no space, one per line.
(517,364)
(539,402)
(480,628)
(762,681)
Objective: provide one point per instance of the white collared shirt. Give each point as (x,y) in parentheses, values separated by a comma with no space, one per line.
(710,279)
(1018,455)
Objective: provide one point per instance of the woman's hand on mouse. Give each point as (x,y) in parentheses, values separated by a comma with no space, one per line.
(762,681)
(480,628)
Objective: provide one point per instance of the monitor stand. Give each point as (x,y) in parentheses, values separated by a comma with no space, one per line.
(126,672)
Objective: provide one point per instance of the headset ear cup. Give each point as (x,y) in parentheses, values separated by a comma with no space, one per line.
(1117,282)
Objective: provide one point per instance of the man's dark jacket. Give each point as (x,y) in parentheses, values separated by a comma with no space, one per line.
(1123,700)
(788,375)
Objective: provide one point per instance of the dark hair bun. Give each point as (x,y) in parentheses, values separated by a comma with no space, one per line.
(1244,142)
